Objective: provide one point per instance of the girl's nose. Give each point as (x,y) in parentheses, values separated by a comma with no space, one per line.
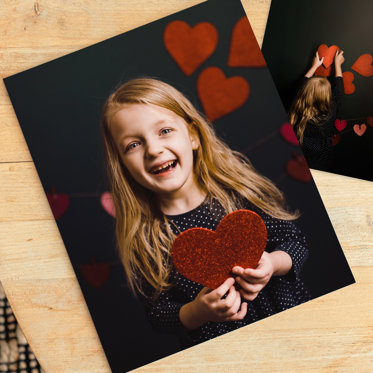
(153,148)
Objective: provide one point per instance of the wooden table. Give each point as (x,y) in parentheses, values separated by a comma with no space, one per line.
(332,333)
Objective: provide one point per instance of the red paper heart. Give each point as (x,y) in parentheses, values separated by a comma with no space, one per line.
(207,257)
(363,65)
(328,53)
(107,203)
(220,95)
(298,169)
(96,274)
(190,46)
(321,71)
(349,87)
(370,121)
(360,129)
(335,139)
(59,203)
(340,125)
(244,49)
(288,134)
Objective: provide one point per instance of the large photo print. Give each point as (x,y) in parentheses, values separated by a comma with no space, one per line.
(182,196)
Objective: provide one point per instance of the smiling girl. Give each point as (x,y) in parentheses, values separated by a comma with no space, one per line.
(169,172)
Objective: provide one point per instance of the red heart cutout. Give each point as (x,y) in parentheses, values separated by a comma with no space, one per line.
(321,71)
(220,95)
(328,53)
(59,203)
(288,134)
(335,139)
(340,125)
(359,129)
(298,169)
(244,49)
(363,65)
(107,203)
(349,87)
(370,121)
(190,46)
(207,257)
(96,274)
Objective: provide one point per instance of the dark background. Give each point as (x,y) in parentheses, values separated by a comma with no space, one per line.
(294,31)
(58,105)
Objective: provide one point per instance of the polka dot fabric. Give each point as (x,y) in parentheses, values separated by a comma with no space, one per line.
(281,292)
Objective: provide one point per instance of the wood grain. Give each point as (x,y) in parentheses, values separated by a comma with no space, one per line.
(332,333)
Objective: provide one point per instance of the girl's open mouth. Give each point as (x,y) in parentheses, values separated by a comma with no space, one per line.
(164,167)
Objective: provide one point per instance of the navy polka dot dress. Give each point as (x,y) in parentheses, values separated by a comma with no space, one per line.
(280,293)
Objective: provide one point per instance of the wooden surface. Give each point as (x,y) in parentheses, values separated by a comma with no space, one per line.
(332,333)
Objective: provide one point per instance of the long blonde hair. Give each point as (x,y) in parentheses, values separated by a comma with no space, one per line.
(312,103)
(143,233)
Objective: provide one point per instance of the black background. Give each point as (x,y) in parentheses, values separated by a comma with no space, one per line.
(58,105)
(294,31)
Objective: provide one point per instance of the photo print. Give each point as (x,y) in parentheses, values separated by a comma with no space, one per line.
(183,199)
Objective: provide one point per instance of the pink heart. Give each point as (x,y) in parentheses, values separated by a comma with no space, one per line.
(107,203)
(360,129)
(288,134)
(340,125)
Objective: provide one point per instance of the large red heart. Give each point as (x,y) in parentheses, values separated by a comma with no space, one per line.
(96,274)
(360,129)
(207,257)
(244,49)
(321,71)
(220,95)
(349,87)
(340,125)
(328,53)
(288,134)
(363,65)
(190,46)
(298,169)
(59,203)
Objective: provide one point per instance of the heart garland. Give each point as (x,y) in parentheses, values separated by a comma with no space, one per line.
(340,125)
(360,129)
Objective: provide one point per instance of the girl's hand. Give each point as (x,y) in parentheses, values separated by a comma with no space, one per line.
(339,58)
(317,61)
(252,281)
(209,306)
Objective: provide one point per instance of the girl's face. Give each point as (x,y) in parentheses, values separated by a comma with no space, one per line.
(156,148)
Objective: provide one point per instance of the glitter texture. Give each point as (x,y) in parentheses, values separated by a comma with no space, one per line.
(207,257)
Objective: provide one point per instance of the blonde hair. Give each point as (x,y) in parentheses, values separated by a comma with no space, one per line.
(312,103)
(143,233)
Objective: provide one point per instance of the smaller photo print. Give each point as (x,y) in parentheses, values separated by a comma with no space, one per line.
(320,56)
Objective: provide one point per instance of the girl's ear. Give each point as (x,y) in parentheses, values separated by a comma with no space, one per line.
(194,140)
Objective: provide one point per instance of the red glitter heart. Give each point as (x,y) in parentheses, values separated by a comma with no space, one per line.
(190,46)
(349,87)
(59,203)
(244,49)
(298,169)
(363,65)
(340,125)
(96,274)
(220,95)
(360,129)
(328,53)
(288,134)
(207,257)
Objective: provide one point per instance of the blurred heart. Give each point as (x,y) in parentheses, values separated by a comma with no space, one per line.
(59,203)
(328,53)
(363,65)
(96,274)
(298,169)
(288,134)
(340,125)
(359,129)
(220,95)
(349,87)
(244,49)
(190,46)
(370,121)
(335,139)
(107,203)
(207,257)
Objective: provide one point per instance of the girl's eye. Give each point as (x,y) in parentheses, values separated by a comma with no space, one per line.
(131,146)
(164,131)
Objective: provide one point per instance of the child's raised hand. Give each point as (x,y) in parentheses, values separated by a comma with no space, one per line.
(339,58)
(252,281)
(317,61)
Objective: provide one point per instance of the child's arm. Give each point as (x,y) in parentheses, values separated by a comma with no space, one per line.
(317,61)
(209,306)
(338,61)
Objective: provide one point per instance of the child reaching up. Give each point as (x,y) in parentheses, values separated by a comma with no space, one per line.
(314,112)
(169,172)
